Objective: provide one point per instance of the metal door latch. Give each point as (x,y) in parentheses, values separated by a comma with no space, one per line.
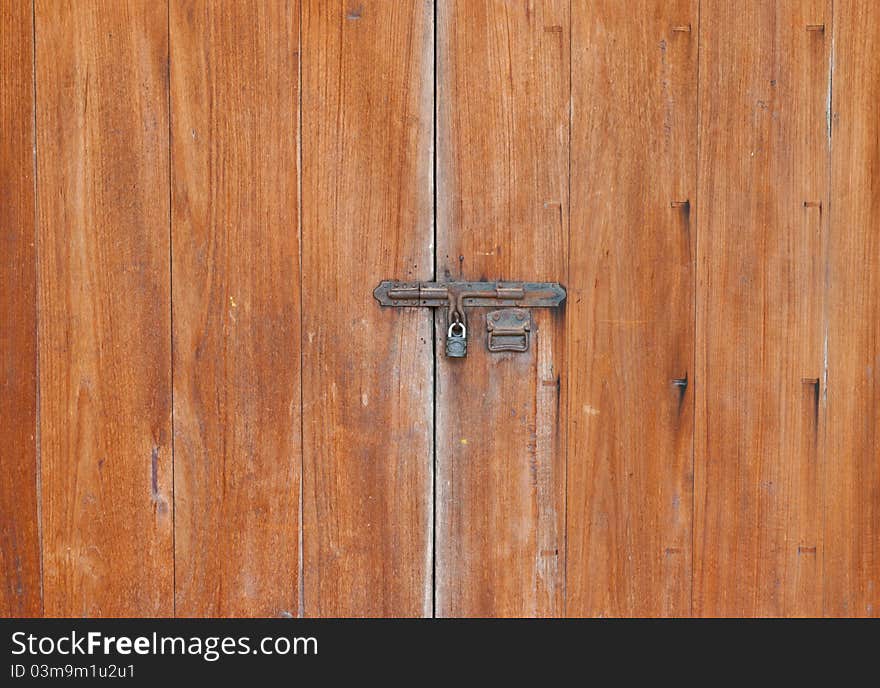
(508,328)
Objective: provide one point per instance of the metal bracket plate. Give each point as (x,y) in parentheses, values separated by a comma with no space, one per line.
(508,329)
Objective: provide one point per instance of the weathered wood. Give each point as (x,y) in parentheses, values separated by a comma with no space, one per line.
(367,392)
(236,293)
(631,308)
(762,221)
(105,331)
(502,189)
(852,474)
(193,223)
(20,593)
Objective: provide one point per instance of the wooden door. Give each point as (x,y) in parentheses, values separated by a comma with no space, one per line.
(206,413)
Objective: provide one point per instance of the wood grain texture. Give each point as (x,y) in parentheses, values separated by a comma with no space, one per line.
(236,307)
(20,593)
(631,308)
(762,219)
(852,475)
(105,333)
(366,154)
(502,189)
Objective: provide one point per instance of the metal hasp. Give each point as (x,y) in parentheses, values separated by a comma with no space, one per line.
(509,331)
(438,294)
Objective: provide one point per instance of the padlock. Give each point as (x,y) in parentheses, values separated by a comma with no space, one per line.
(456,344)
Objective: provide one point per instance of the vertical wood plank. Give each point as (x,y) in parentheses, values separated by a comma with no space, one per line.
(852,511)
(631,308)
(20,594)
(236,306)
(366,151)
(502,165)
(762,213)
(105,359)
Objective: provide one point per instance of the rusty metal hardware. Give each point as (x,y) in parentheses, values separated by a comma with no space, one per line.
(438,294)
(508,329)
(456,296)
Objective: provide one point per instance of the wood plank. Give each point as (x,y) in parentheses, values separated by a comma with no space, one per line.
(852,475)
(105,332)
(367,393)
(631,308)
(20,594)
(236,307)
(502,185)
(762,222)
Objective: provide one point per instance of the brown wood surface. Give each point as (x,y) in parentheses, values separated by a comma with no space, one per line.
(105,307)
(852,470)
(502,213)
(762,219)
(367,392)
(631,305)
(205,412)
(20,591)
(236,291)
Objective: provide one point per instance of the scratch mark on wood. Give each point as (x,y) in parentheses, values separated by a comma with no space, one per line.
(154,473)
